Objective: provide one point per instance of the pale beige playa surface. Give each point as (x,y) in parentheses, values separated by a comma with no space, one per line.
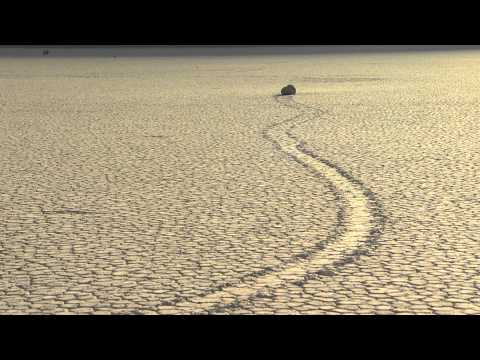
(181,184)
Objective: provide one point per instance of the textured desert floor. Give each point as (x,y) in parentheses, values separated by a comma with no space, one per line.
(181,184)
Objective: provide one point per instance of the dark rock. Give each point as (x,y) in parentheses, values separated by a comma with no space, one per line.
(289,90)
(45,52)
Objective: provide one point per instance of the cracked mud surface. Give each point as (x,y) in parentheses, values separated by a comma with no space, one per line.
(119,196)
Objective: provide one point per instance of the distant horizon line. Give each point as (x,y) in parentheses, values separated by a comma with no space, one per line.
(221,45)
(215,50)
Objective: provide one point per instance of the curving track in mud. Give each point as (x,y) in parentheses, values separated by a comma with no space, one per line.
(360,220)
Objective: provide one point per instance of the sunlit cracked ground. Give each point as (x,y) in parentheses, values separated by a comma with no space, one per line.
(143,184)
